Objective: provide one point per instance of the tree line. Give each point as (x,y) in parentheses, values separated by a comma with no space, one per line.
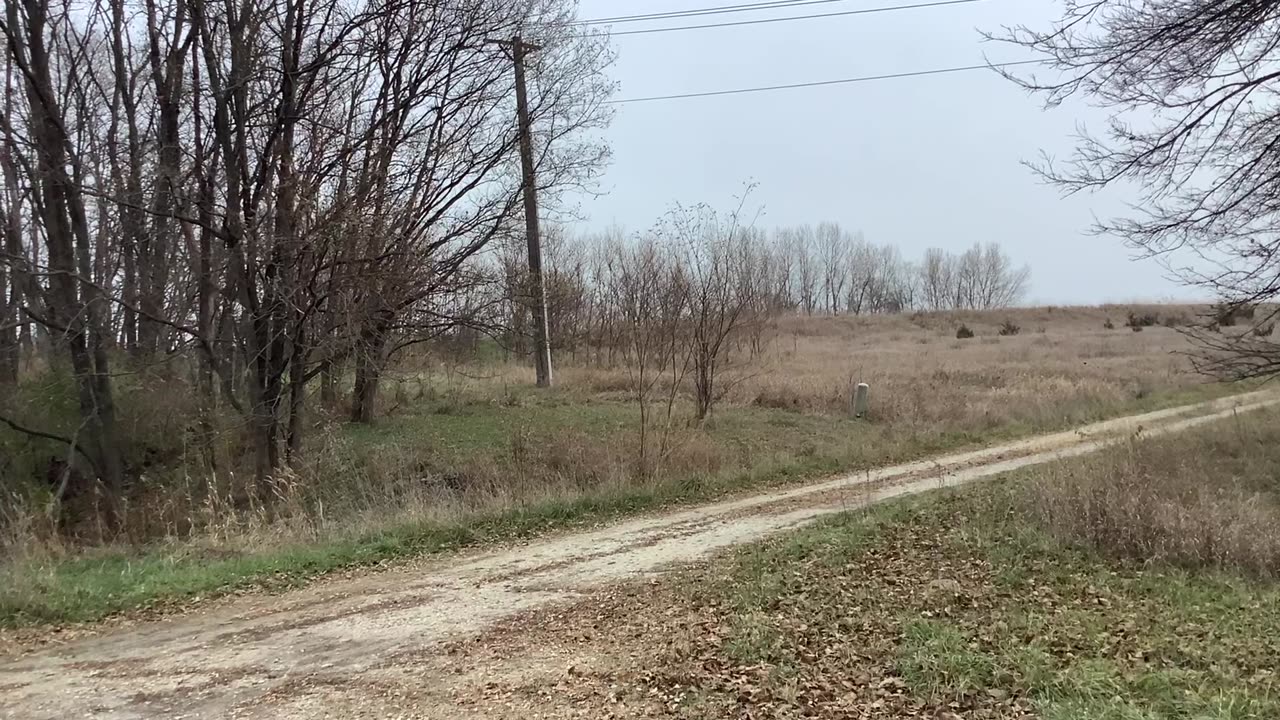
(823,269)
(686,304)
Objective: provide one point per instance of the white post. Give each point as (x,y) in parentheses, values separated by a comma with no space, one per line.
(861,400)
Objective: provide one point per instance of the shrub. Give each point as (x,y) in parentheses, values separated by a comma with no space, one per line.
(963,332)
(1136,328)
(1008,328)
(783,397)
(1143,319)
(1226,314)
(1264,330)
(1109,325)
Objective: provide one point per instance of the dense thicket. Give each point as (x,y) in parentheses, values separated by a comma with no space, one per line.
(258,194)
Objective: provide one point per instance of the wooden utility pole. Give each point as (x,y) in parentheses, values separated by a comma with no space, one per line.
(537,289)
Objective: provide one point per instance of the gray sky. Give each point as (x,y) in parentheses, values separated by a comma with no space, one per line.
(917,162)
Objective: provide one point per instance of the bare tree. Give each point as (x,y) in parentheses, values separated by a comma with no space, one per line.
(1202,74)
(74,306)
(718,255)
(652,293)
(833,246)
(862,275)
(999,284)
(936,278)
(12,253)
(464,192)
(798,243)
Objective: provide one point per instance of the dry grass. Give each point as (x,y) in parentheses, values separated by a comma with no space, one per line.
(1063,365)
(1207,500)
(953,605)
(1062,361)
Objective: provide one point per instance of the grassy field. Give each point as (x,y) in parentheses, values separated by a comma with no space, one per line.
(473,454)
(1039,595)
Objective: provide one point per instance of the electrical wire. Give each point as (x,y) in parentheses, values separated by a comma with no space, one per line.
(719,10)
(864,11)
(823,83)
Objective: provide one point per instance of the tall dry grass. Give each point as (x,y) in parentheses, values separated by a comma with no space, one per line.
(1205,499)
(1063,366)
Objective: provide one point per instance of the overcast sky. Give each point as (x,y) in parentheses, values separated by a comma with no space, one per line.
(918,162)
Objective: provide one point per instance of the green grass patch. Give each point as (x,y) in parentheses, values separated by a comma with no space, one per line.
(937,661)
(956,602)
(98,585)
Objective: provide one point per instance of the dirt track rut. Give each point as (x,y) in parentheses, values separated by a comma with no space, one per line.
(251,657)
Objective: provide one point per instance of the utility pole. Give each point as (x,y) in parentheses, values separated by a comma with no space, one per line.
(537,289)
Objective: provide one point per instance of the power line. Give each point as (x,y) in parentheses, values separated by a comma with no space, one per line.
(865,11)
(750,7)
(822,83)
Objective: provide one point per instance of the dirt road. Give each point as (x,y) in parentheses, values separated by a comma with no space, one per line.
(314,653)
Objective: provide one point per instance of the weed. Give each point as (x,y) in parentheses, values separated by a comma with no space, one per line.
(1227,314)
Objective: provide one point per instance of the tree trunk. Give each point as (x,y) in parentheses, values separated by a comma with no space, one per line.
(129,179)
(364,394)
(8,311)
(167,75)
(297,393)
(14,280)
(129,292)
(328,384)
(268,383)
(369,358)
(75,305)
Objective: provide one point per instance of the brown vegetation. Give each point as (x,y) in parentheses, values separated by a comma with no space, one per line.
(467,437)
(1209,500)
(922,378)
(262,198)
